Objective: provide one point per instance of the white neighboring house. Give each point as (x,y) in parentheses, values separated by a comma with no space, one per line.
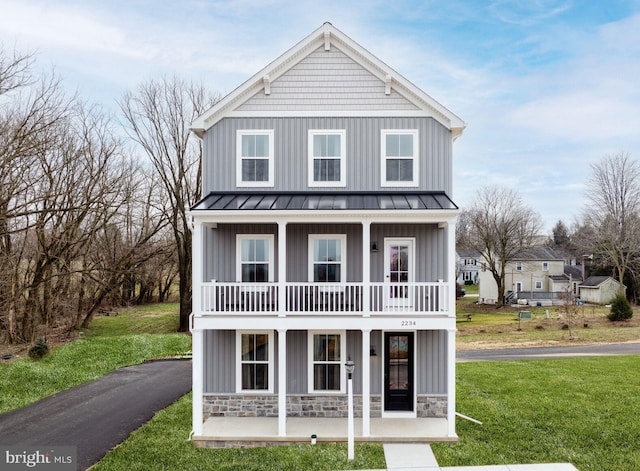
(326,232)
(599,289)
(467,263)
(534,274)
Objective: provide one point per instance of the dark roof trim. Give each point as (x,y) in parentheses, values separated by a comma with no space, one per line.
(330,201)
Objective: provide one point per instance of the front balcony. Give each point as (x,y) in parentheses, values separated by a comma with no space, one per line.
(309,299)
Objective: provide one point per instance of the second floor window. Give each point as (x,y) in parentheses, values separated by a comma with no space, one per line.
(518,266)
(254,149)
(254,258)
(327,158)
(545,266)
(399,157)
(327,258)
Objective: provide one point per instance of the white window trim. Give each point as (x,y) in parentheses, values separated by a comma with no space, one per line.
(343,157)
(538,284)
(268,237)
(383,158)
(343,251)
(310,362)
(270,361)
(518,266)
(545,266)
(270,158)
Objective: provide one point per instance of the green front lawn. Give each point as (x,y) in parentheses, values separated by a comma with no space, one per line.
(581,411)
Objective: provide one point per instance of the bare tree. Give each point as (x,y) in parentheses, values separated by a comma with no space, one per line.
(613,192)
(157,117)
(500,227)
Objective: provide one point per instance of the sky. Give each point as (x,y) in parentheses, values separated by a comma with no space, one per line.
(546,87)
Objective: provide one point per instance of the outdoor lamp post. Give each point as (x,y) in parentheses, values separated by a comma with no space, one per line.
(350,366)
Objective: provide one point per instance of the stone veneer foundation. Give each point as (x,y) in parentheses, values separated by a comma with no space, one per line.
(331,406)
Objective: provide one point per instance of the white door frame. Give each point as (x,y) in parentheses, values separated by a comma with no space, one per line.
(410,243)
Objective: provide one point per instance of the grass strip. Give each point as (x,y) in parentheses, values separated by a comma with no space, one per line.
(162,444)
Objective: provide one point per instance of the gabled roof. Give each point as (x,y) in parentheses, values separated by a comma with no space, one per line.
(595,281)
(541,254)
(327,35)
(464,253)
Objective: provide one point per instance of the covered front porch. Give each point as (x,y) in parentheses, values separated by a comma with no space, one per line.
(221,432)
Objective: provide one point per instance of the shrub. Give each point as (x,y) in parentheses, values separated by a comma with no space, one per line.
(621,310)
(39,350)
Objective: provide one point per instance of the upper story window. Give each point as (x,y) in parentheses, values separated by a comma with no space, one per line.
(327,258)
(538,284)
(327,158)
(254,258)
(518,266)
(399,157)
(545,266)
(254,156)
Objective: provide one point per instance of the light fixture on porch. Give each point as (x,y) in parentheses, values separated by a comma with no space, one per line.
(372,351)
(349,366)
(374,246)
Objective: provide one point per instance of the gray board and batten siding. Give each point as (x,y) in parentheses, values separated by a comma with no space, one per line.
(220,361)
(430,251)
(363,153)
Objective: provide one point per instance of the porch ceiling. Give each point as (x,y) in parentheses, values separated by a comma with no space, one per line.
(332,201)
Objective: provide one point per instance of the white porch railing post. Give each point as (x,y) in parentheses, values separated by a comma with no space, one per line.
(282,268)
(366,269)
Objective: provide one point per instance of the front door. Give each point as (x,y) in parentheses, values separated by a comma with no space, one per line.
(398,271)
(398,371)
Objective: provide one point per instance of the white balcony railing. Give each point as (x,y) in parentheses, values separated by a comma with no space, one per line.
(325,298)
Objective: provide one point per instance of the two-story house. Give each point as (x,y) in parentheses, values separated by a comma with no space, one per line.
(540,274)
(467,262)
(326,232)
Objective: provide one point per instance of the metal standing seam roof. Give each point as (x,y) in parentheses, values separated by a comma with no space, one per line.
(330,201)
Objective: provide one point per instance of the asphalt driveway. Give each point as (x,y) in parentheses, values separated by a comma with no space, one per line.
(97,416)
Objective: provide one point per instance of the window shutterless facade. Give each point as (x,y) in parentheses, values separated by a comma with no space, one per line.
(399,157)
(326,354)
(254,258)
(254,367)
(254,158)
(327,158)
(327,258)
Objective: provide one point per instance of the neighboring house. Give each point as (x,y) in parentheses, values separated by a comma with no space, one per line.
(467,262)
(534,274)
(568,282)
(326,232)
(599,289)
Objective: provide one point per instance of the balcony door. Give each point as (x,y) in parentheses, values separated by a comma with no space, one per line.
(399,271)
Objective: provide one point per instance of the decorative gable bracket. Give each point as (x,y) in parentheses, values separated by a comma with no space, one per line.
(387,85)
(267,84)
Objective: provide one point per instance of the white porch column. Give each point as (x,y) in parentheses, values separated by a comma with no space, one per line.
(197,382)
(366,268)
(282,382)
(451,264)
(282,268)
(451,382)
(197,335)
(366,382)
